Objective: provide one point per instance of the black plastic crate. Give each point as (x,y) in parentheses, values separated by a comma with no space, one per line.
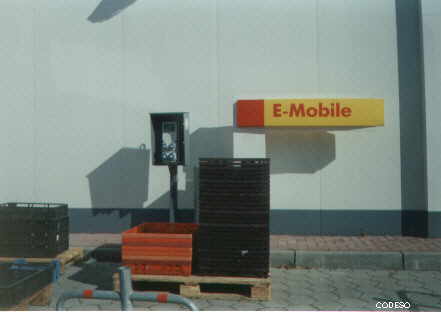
(34,250)
(234,162)
(29,244)
(26,225)
(234,216)
(32,211)
(216,241)
(227,270)
(233,170)
(209,204)
(230,183)
(33,230)
(20,281)
(234,201)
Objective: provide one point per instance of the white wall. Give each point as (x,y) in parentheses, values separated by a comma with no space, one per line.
(321,49)
(431,16)
(75,93)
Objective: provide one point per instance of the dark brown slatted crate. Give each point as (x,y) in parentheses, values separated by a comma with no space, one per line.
(234,199)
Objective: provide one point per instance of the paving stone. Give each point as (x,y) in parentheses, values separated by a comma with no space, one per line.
(247,306)
(324,290)
(69,303)
(302,300)
(36,308)
(327,306)
(109,308)
(167,307)
(274,303)
(294,289)
(424,300)
(219,302)
(373,298)
(219,308)
(354,302)
(99,302)
(201,304)
(151,309)
(304,308)
(84,307)
(279,272)
(144,303)
(357,308)
(280,297)
(326,298)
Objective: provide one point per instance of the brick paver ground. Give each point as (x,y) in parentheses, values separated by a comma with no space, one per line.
(291,242)
(298,289)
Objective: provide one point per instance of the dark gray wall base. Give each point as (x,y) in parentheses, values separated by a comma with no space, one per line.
(434,220)
(335,222)
(113,220)
(293,222)
(414,223)
(356,222)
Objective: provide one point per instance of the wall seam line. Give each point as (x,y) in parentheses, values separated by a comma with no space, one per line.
(34,104)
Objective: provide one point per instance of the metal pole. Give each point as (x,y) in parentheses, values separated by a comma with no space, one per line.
(173,192)
(125,296)
(164,298)
(86,294)
(126,288)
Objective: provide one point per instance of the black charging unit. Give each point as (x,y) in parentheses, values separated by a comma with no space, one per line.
(170,147)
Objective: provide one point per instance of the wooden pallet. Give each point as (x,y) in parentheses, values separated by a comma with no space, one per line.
(66,258)
(190,286)
(40,298)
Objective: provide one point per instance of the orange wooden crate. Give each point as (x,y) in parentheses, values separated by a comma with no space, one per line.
(159,248)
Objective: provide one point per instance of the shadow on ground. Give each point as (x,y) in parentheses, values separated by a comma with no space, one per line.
(95,273)
(419,301)
(107,253)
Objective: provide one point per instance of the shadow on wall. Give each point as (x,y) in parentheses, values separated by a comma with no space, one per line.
(119,187)
(107,9)
(290,151)
(204,142)
(158,210)
(121,181)
(299,151)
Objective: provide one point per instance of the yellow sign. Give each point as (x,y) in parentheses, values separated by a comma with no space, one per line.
(311,112)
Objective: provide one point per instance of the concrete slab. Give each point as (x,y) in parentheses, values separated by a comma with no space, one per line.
(422,261)
(349,260)
(279,258)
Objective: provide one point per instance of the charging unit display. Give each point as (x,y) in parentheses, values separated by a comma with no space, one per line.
(170,147)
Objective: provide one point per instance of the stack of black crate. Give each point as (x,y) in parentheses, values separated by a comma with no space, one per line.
(234,201)
(33,230)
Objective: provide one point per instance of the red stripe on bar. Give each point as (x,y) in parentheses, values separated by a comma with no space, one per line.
(88,293)
(250,113)
(163,297)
